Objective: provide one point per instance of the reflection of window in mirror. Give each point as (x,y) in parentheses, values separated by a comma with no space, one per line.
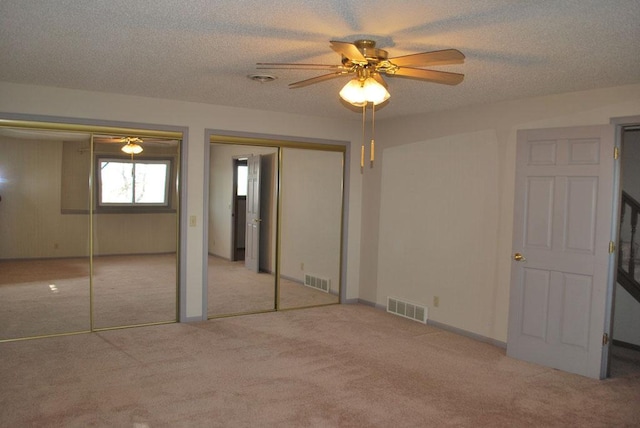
(131,183)
(242,178)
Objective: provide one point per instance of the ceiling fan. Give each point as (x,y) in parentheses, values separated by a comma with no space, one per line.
(132,145)
(369,64)
(125,140)
(363,59)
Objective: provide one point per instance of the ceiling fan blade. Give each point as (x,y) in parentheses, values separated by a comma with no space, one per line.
(108,140)
(380,79)
(444,57)
(137,140)
(430,75)
(316,79)
(294,66)
(348,50)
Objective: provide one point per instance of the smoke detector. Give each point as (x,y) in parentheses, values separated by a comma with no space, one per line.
(262,78)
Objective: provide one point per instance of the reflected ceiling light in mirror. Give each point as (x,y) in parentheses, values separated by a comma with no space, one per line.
(132,147)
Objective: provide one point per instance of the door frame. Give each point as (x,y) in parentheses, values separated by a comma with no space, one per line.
(619,123)
(236,161)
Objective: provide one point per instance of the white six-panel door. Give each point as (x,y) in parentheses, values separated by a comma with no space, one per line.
(562,230)
(252,236)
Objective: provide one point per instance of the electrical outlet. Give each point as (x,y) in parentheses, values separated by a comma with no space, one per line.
(436,301)
(302,266)
(192,221)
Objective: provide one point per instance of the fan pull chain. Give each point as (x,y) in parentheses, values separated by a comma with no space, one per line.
(373,132)
(364,115)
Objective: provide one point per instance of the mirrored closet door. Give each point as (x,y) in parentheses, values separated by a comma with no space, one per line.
(311,227)
(242,229)
(275,226)
(135,231)
(44,244)
(76,254)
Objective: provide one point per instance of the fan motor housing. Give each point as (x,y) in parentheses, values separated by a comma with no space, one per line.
(369,51)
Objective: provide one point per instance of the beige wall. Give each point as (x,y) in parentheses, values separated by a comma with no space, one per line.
(44,211)
(197,118)
(458,252)
(30,182)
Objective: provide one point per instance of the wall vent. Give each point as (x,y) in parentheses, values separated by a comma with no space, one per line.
(407,310)
(322,284)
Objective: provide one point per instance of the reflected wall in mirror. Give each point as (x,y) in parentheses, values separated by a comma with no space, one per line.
(241,229)
(311,195)
(44,249)
(63,270)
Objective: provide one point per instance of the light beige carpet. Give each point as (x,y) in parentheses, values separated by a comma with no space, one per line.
(333,366)
(232,289)
(51,296)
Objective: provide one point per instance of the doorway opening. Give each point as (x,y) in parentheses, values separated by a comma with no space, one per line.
(625,349)
(239,209)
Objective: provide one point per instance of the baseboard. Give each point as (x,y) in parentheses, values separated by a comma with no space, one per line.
(292,279)
(469,334)
(357,301)
(192,319)
(446,327)
(627,345)
(217,256)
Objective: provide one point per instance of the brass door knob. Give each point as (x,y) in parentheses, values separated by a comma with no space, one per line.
(519,257)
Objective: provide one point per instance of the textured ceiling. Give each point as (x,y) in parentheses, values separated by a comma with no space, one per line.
(202,50)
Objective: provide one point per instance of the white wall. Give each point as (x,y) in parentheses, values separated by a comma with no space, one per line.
(461,254)
(422,253)
(311,205)
(38,100)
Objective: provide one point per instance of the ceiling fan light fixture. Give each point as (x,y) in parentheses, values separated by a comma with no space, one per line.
(353,93)
(132,148)
(360,92)
(374,92)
